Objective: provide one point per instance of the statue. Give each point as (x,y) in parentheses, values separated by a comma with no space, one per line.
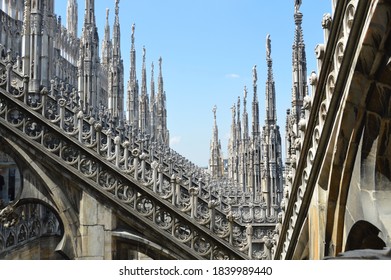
(233,110)
(268,46)
(214,111)
(268,246)
(160,64)
(133,29)
(297,5)
(255,78)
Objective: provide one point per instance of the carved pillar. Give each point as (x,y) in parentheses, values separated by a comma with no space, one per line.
(231,219)
(135,153)
(193,200)
(117,142)
(249,234)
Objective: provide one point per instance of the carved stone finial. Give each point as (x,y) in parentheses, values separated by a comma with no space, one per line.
(214,111)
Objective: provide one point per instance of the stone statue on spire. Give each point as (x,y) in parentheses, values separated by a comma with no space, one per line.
(133,29)
(268,46)
(214,111)
(255,76)
(160,64)
(116,7)
(297,5)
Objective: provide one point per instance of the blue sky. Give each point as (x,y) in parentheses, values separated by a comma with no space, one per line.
(209,48)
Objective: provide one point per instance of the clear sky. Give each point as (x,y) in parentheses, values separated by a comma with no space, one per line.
(209,48)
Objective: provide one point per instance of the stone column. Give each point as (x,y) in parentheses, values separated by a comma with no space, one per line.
(96,224)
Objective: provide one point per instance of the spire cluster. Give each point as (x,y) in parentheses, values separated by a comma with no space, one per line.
(254,162)
(52,54)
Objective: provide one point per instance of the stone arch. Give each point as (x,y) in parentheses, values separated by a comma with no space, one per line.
(43,188)
(364,235)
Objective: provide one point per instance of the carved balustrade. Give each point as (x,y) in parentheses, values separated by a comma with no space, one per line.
(148,179)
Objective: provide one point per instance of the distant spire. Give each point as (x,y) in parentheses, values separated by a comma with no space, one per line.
(133,89)
(72,17)
(144,74)
(107,16)
(116,33)
(152,105)
(144,100)
(133,57)
(216,159)
(106,44)
(116,12)
(271,167)
(245,115)
(232,147)
(255,107)
(153,99)
(299,65)
(299,86)
(160,79)
(152,81)
(89,13)
(271,116)
(163,132)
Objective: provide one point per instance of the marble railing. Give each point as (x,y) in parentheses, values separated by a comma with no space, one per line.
(213,219)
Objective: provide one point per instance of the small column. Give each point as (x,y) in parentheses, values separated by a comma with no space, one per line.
(135,154)
(249,234)
(117,142)
(193,200)
(231,219)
